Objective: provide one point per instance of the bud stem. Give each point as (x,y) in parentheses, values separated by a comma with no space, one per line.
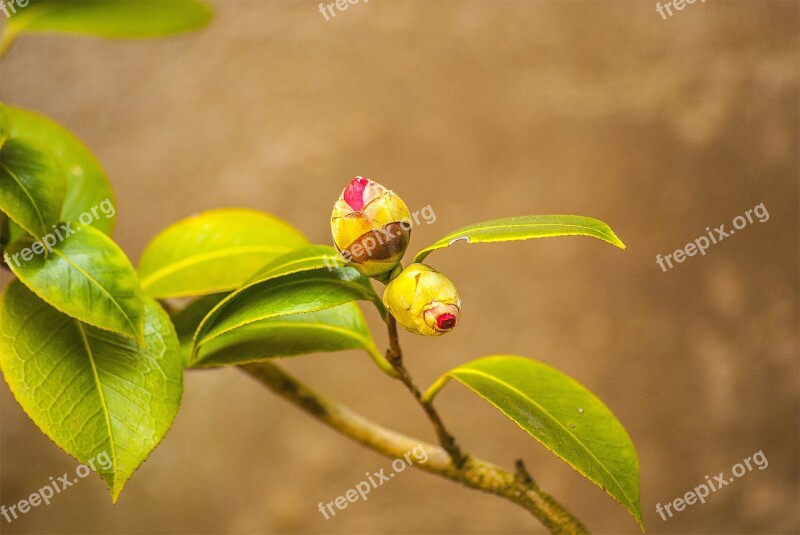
(389,276)
(395,357)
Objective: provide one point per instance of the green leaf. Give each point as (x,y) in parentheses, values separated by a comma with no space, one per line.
(5,125)
(306,258)
(298,293)
(91,391)
(88,189)
(86,276)
(187,320)
(563,415)
(333,329)
(15,232)
(105,18)
(309,259)
(215,251)
(5,233)
(526,228)
(32,186)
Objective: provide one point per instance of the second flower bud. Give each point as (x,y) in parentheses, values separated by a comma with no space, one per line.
(423,301)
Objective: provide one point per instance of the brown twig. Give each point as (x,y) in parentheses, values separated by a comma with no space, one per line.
(395,357)
(473,473)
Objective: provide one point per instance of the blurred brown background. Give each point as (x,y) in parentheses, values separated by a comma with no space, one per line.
(482,110)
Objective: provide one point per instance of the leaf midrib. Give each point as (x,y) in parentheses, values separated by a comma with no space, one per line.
(100,287)
(103,402)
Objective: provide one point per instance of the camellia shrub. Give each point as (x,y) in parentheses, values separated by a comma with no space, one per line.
(95,350)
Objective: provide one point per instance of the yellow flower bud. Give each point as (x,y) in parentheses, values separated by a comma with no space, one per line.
(423,301)
(371,227)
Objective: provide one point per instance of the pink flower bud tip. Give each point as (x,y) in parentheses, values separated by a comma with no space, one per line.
(354,193)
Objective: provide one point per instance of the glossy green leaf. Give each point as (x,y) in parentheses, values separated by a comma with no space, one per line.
(187,320)
(5,125)
(108,18)
(32,186)
(86,276)
(309,259)
(94,393)
(213,252)
(563,415)
(526,228)
(306,258)
(89,196)
(298,293)
(333,329)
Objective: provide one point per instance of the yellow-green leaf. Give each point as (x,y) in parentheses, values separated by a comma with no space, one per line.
(88,190)
(563,415)
(93,392)
(32,186)
(526,228)
(106,18)
(84,275)
(5,125)
(215,251)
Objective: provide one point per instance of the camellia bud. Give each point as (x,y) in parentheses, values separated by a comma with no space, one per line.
(423,301)
(371,227)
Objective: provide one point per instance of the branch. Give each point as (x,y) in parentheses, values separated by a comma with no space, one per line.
(395,357)
(518,488)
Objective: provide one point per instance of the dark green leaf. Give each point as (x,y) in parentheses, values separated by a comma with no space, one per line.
(333,329)
(188,319)
(298,293)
